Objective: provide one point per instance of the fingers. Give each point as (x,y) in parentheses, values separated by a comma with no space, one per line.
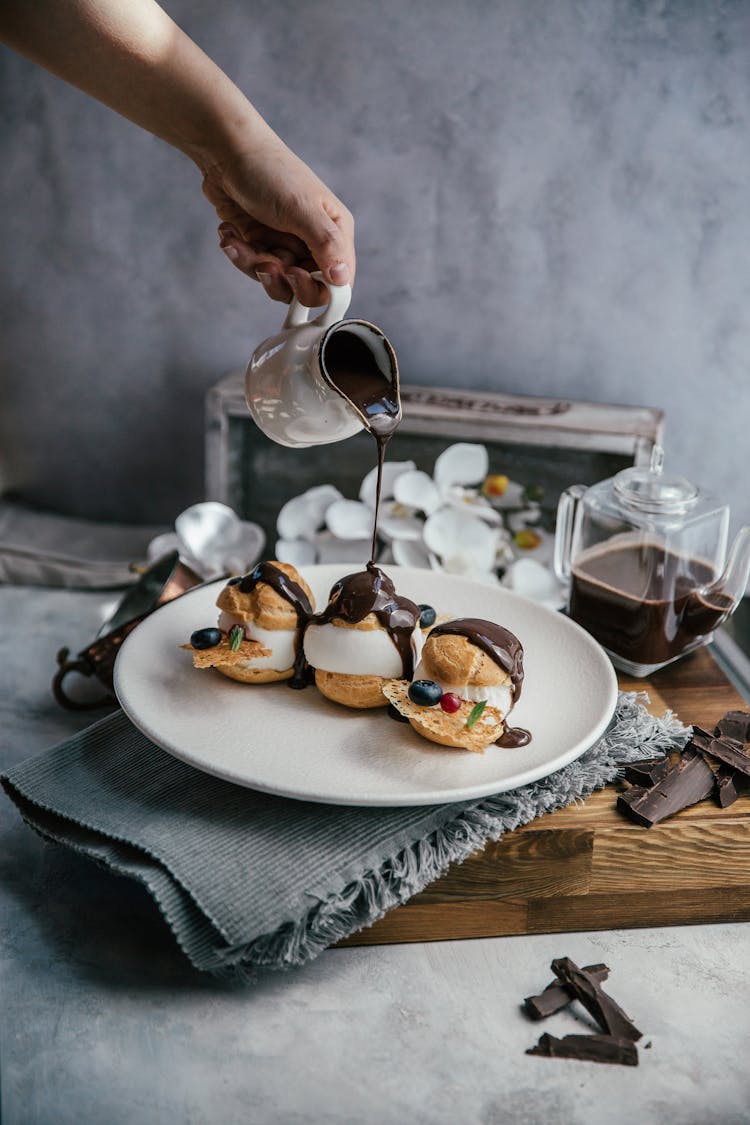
(266,268)
(307,291)
(329,233)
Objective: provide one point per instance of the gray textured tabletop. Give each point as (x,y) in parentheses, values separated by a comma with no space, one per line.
(103,1021)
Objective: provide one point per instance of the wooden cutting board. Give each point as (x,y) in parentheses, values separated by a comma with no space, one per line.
(587,867)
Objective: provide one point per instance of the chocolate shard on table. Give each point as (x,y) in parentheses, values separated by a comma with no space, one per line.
(557,995)
(690,780)
(700,739)
(606,1011)
(646,772)
(729,785)
(735,724)
(730,752)
(587,1048)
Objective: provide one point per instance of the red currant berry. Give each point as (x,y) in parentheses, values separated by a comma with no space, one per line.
(450,702)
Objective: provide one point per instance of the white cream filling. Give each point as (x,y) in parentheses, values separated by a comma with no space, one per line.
(356,652)
(280,642)
(499,697)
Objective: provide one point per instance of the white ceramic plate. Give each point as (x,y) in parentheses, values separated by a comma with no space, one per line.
(298,744)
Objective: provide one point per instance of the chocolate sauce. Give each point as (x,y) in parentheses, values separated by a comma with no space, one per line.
(506,650)
(513,737)
(371,591)
(293,593)
(352,369)
(644,603)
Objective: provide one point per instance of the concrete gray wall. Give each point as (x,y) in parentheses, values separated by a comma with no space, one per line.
(551,198)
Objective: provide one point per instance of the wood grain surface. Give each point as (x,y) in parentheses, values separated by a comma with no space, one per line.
(587,867)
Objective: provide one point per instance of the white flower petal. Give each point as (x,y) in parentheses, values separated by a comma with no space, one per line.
(468,499)
(298,552)
(511,498)
(207,528)
(462,463)
(247,548)
(333,550)
(301,516)
(450,531)
(464,565)
(533,580)
(543,552)
(169,541)
(391,470)
(398,522)
(348,519)
(409,552)
(417,490)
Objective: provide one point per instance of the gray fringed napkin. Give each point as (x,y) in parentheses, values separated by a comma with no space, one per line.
(248,879)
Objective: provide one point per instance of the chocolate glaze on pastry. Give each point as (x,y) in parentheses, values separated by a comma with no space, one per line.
(371,591)
(505,649)
(293,593)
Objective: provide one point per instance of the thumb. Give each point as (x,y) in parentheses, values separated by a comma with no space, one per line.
(331,243)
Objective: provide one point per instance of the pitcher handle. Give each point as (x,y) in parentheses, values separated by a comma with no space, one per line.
(565,529)
(339,299)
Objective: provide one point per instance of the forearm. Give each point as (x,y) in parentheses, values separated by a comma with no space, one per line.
(131,56)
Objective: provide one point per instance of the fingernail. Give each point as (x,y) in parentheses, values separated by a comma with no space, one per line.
(264,278)
(292,281)
(231,252)
(227,231)
(339,273)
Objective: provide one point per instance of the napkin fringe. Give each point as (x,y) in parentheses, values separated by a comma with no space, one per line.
(633,734)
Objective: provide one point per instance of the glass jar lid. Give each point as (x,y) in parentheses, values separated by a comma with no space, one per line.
(649,490)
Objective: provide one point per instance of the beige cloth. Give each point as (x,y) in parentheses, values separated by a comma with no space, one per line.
(44,549)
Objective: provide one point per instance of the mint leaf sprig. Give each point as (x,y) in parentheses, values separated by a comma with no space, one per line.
(236,634)
(475,714)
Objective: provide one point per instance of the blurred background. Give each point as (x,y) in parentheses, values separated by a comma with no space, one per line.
(551,199)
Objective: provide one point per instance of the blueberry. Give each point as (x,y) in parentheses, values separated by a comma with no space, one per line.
(425,693)
(205,638)
(427,617)
(235,581)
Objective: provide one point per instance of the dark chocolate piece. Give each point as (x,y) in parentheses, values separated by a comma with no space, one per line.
(607,1013)
(730,752)
(700,738)
(686,783)
(587,1048)
(729,785)
(647,772)
(735,724)
(557,996)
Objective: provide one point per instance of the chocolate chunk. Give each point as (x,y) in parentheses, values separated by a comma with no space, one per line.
(735,724)
(587,1048)
(729,785)
(730,752)
(557,996)
(700,739)
(647,772)
(607,1013)
(686,783)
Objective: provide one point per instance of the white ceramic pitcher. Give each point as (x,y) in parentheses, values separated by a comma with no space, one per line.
(288,391)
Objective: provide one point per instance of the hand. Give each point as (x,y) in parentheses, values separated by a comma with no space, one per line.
(280,223)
